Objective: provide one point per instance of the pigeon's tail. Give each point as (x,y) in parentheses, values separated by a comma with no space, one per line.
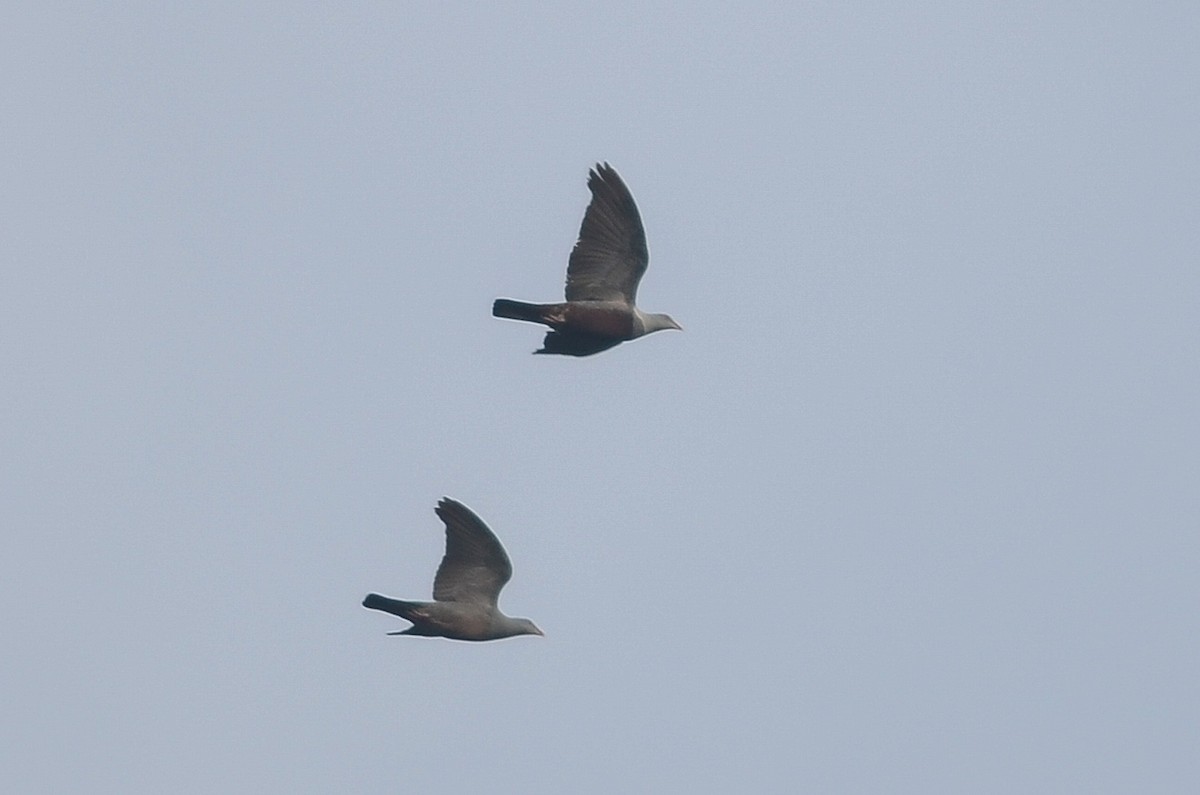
(396,607)
(517,310)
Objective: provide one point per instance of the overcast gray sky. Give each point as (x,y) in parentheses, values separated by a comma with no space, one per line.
(910,506)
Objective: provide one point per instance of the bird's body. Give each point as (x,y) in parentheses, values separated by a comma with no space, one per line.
(605,268)
(454,620)
(466,587)
(610,319)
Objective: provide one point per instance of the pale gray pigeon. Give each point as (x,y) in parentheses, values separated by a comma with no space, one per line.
(465,588)
(602,278)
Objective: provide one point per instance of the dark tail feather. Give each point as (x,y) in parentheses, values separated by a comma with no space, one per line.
(396,607)
(517,310)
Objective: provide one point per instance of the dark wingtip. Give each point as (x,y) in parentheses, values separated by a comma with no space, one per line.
(601,172)
(449,509)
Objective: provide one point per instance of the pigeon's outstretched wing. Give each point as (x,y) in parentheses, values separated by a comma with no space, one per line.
(475,566)
(611,255)
(574,344)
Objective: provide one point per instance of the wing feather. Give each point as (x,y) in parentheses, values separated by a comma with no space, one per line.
(475,566)
(610,256)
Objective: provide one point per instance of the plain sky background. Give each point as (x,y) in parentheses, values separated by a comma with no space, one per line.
(911,505)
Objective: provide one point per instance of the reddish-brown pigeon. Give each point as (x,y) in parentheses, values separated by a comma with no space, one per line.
(465,588)
(602,278)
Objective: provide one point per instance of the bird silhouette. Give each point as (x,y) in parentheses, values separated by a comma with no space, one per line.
(466,587)
(606,265)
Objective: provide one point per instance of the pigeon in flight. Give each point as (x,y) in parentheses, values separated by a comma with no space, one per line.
(465,588)
(602,278)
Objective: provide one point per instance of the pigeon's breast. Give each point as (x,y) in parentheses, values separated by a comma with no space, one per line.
(461,620)
(601,318)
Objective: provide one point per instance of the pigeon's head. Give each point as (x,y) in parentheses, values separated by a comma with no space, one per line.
(660,322)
